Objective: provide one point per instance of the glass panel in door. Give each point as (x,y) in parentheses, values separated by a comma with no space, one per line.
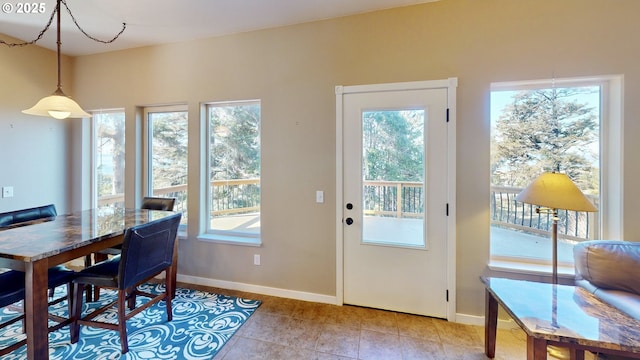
(393,177)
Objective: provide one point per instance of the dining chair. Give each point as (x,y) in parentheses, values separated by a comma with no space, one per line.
(158,203)
(13,291)
(149,203)
(147,251)
(27,216)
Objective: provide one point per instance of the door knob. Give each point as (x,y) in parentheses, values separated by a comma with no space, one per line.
(349,221)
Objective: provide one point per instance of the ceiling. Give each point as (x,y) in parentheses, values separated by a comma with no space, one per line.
(152,22)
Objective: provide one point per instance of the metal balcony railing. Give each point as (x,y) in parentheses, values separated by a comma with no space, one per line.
(509,213)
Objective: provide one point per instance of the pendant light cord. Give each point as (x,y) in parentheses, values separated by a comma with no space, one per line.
(37,38)
(58,43)
(57,10)
(124,26)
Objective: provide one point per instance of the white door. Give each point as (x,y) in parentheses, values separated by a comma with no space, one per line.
(395,193)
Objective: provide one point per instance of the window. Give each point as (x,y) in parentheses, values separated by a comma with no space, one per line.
(233,206)
(393,169)
(569,126)
(108,150)
(166,154)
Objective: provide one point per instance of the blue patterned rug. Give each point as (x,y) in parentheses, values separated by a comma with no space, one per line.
(202,323)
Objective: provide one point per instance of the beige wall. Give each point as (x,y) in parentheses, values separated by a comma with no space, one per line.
(294,70)
(34,150)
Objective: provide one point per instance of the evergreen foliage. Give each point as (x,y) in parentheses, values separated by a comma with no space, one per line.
(393,145)
(546,130)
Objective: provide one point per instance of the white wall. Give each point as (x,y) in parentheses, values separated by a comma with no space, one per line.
(35,156)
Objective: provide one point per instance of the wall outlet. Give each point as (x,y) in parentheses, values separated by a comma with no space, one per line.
(256,259)
(7,191)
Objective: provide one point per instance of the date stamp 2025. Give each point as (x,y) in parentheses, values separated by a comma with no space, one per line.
(23,8)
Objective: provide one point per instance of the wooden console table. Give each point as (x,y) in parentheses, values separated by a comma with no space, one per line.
(561,315)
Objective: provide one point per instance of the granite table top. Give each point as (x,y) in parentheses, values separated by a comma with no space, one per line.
(566,314)
(52,236)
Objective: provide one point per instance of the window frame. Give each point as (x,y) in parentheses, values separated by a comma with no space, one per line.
(611,171)
(207,233)
(147,153)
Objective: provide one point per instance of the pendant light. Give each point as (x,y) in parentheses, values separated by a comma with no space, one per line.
(57,105)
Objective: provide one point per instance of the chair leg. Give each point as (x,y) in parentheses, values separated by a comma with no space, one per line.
(131,299)
(76,314)
(169,291)
(98,258)
(174,269)
(89,293)
(96,293)
(122,320)
(87,260)
(70,299)
(89,288)
(24,320)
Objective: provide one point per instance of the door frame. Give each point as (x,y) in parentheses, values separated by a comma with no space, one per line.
(450,84)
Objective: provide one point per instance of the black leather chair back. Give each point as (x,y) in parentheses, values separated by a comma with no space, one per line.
(147,250)
(24,215)
(158,203)
(12,287)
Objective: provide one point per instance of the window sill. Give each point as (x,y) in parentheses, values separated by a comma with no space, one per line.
(231,240)
(564,270)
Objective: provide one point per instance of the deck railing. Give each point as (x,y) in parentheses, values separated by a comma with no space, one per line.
(179,192)
(509,213)
(396,199)
(235,196)
(393,199)
(230,196)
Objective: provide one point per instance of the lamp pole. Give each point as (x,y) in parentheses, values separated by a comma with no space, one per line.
(554,241)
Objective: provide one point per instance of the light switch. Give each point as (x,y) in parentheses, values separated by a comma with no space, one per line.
(319,196)
(7,191)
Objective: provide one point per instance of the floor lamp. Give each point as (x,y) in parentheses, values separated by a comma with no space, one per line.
(552,191)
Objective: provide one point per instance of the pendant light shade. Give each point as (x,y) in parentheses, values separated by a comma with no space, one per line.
(57,105)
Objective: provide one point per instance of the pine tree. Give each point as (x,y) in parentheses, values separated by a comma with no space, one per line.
(545,130)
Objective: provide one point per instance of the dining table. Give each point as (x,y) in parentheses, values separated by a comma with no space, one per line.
(36,246)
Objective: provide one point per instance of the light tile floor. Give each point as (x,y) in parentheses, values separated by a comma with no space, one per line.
(290,329)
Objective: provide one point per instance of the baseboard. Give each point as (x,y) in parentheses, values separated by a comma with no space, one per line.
(479,321)
(264,290)
(319,298)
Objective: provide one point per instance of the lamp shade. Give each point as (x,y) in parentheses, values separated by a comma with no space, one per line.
(58,106)
(555,191)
